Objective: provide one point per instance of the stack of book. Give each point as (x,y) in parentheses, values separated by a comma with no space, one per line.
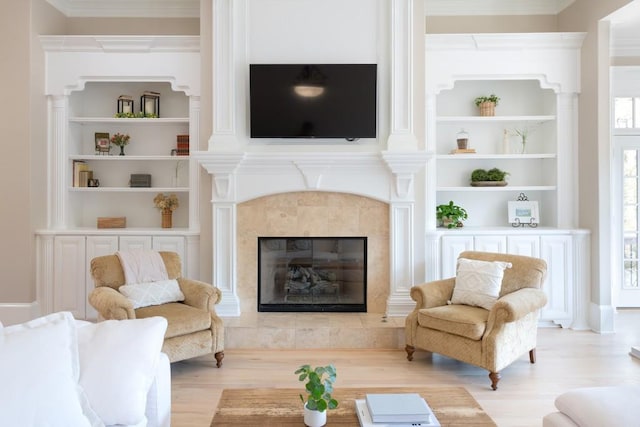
(395,410)
(183,145)
(81,173)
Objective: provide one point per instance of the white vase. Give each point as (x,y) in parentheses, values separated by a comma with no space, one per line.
(314,418)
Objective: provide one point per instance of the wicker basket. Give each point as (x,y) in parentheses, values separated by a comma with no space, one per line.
(487,108)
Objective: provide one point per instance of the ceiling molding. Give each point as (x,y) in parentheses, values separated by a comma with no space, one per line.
(494,7)
(625,47)
(128,8)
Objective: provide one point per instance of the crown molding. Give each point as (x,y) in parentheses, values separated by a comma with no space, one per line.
(121,43)
(494,7)
(128,8)
(625,47)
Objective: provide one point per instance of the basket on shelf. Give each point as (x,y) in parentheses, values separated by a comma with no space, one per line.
(487,108)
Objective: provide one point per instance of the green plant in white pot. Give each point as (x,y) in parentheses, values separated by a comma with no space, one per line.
(319,386)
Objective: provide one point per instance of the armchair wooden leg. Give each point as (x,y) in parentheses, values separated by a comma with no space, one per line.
(532,355)
(409,349)
(219,356)
(494,377)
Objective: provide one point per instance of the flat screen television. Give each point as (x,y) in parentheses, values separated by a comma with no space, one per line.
(313,100)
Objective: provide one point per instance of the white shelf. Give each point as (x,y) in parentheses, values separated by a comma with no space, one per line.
(520,188)
(132,121)
(130,189)
(115,157)
(476,156)
(495,119)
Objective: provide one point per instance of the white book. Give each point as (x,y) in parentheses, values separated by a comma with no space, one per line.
(397,407)
(366,421)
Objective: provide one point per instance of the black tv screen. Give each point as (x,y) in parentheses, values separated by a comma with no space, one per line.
(313,100)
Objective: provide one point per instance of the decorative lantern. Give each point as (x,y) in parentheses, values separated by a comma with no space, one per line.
(150,104)
(125,104)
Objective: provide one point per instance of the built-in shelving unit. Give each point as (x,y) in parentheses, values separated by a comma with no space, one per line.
(536,77)
(84,78)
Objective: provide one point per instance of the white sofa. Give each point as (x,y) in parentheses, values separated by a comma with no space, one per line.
(615,406)
(57,371)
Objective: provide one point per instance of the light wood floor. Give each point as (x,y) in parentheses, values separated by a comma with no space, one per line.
(566,359)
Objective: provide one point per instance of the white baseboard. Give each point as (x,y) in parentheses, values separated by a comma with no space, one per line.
(601,318)
(13,313)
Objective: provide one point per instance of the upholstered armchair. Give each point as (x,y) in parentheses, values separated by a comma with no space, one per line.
(194,328)
(489,338)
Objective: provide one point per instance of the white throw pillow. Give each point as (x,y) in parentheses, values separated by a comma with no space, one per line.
(118,360)
(39,371)
(152,293)
(478,283)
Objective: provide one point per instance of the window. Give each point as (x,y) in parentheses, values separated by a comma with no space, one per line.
(626,113)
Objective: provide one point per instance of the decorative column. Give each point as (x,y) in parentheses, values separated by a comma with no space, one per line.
(194,170)
(58,166)
(403,166)
(222,168)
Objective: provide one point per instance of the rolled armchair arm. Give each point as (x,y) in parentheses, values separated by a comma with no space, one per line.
(432,294)
(111,304)
(518,304)
(200,294)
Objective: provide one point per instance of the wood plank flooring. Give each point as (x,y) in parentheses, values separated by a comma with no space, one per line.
(566,359)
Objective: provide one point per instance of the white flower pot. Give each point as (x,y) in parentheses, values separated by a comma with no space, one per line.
(314,418)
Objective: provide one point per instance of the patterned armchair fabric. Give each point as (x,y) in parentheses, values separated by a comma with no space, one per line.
(491,339)
(194,328)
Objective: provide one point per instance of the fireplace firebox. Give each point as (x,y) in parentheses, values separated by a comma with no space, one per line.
(312,274)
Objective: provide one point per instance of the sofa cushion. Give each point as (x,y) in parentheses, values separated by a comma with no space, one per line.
(602,406)
(39,375)
(152,293)
(118,361)
(463,320)
(478,282)
(183,319)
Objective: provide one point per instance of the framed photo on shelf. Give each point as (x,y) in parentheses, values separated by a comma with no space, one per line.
(103,145)
(523,212)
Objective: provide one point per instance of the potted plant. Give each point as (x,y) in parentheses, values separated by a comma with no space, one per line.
(488,178)
(487,104)
(166,204)
(451,216)
(120,139)
(319,386)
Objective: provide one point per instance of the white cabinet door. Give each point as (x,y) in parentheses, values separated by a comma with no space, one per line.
(524,245)
(129,243)
(557,252)
(171,244)
(496,244)
(97,246)
(452,246)
(69,292)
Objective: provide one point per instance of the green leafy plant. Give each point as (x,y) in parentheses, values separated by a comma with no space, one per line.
(491,98)
(138,115)
(319,386)
(451,214)
(494,174)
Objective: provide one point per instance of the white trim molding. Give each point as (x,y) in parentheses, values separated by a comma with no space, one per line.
(494,7)
(128,8)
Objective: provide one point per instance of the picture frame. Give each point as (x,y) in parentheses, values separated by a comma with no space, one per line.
(523,213)
(102,143)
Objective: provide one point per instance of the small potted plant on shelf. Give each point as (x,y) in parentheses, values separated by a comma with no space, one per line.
(319,386)
(488,178)
(451,216)
(487,104)
(120,139)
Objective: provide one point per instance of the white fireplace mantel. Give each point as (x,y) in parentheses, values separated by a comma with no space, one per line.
(387,176)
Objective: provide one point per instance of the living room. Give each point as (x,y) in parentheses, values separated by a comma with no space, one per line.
(403,126)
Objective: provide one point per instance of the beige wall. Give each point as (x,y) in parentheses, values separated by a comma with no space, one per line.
(583,15)
(491,24)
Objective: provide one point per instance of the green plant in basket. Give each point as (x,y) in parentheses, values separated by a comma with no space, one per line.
(450,215)
(319,386)
(494,174)
(491,98)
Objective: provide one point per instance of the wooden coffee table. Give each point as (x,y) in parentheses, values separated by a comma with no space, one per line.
(453,406)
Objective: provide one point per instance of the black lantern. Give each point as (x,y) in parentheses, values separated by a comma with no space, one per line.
(150,104)
(125,104)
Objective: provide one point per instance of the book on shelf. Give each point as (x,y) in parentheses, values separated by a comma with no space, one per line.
(79,166)
(365,418)
(397,407)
